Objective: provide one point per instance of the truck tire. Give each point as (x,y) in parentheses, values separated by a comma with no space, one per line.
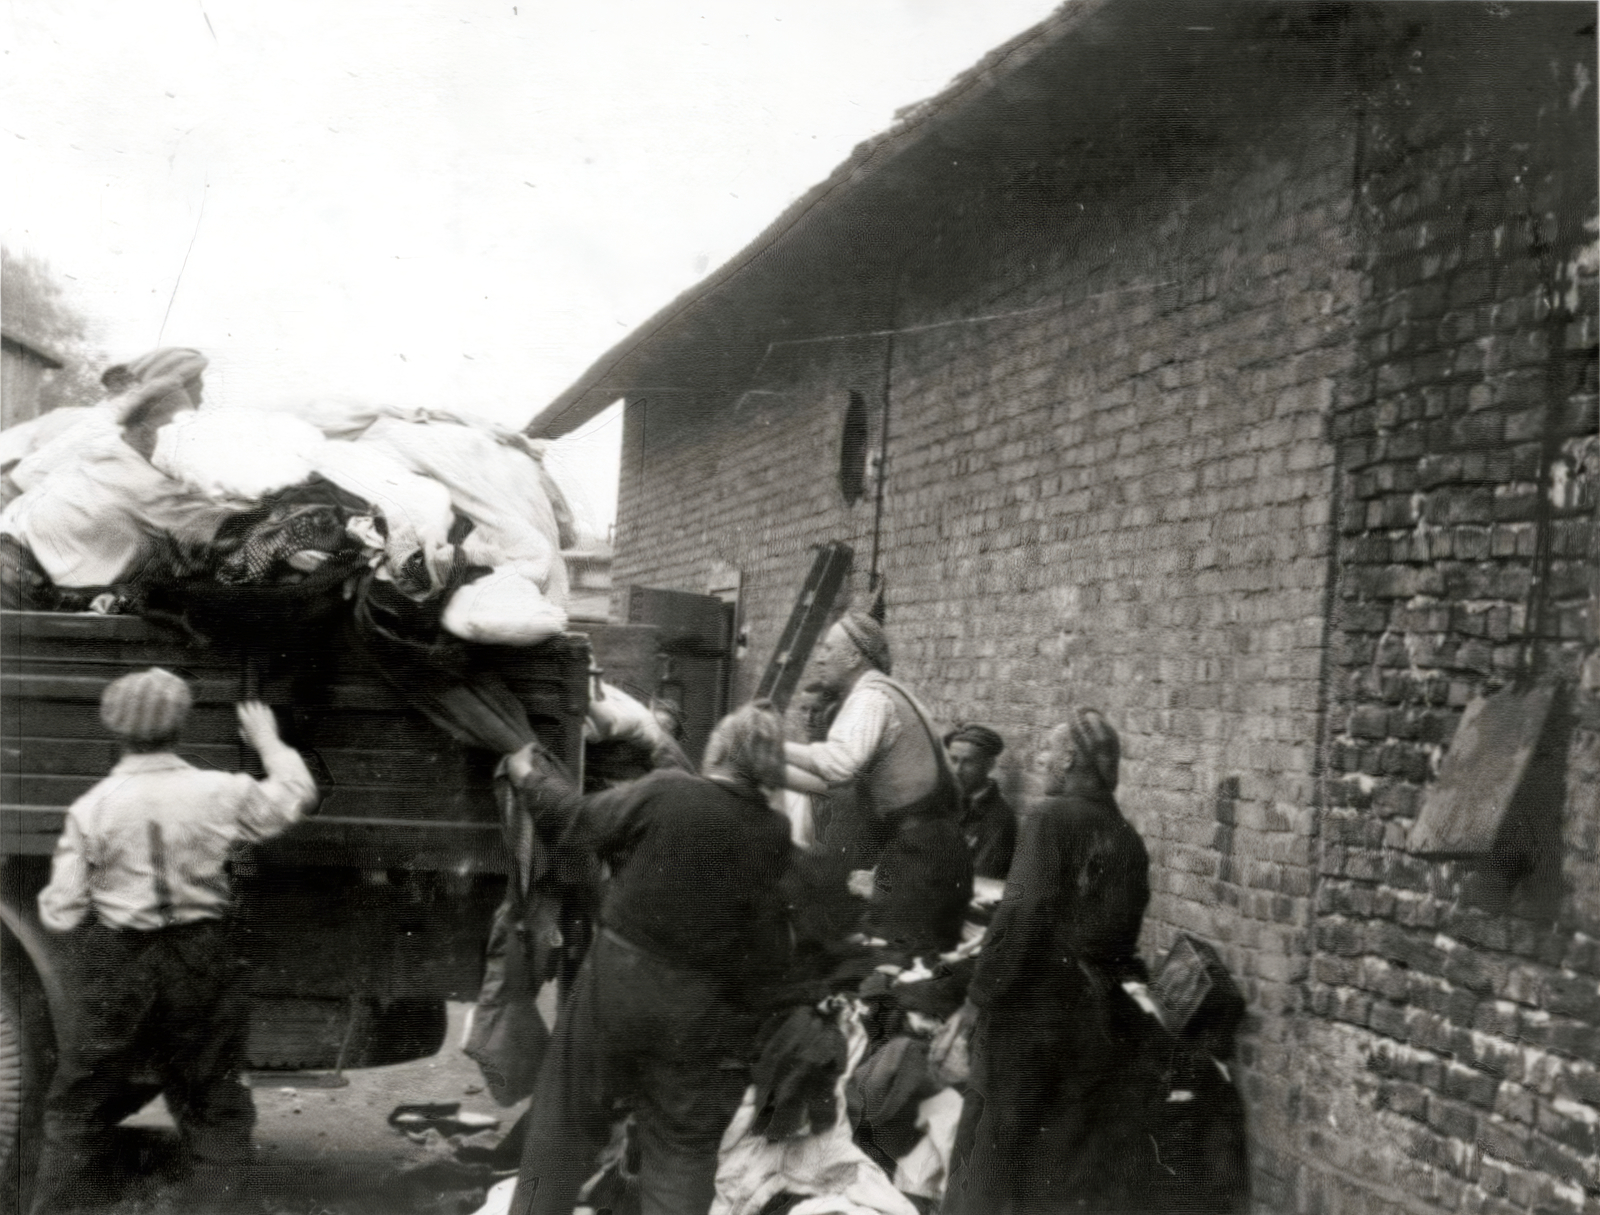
(22,1074)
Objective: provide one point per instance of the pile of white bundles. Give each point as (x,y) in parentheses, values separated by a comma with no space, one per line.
(92,498)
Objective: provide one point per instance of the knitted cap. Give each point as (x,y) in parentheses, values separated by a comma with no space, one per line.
(146,706)
(981,737)
(170,362)
(869,638)
(1096,744)
(155,381)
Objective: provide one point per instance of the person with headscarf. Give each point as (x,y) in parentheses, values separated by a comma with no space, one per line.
(988,823)
(157,387)
(140,875)
(694,937)
(93,508)
(1052,1023)
(905,825)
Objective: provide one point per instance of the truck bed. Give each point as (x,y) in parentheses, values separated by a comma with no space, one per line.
(398,792)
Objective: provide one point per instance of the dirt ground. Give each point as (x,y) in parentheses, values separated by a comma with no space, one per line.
(327,1151)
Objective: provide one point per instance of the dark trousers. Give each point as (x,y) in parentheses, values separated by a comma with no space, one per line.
(663,1038)
(1058,1112)
(176,999)
(923,885)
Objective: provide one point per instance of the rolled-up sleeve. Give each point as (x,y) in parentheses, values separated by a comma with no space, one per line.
(280,799)
(856,735)
(65,901)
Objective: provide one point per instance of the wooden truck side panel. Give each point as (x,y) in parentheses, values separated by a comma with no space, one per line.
(397,791)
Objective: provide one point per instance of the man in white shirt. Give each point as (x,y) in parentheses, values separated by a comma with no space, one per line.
(141,871)
(908,805)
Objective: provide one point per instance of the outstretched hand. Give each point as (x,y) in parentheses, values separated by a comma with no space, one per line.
(257,725)
(530,763)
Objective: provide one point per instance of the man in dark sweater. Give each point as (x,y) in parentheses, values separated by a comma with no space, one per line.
(988,823)
(664,1009)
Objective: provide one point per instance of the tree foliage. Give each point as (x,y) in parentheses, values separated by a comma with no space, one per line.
(36,309)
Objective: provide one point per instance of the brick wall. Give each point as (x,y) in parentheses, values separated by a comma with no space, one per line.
(1324,336)
(1116,494)
(1455,1033)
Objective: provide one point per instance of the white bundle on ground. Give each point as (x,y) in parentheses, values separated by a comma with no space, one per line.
(243,454)
(925,1169)
(495,483)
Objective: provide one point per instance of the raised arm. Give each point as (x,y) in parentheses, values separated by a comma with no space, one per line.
(595,822)
(283,796)
(854,738)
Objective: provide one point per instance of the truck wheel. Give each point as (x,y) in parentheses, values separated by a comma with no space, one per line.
(21,1100)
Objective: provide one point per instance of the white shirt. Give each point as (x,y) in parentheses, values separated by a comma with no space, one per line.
(867,724)
(148,846)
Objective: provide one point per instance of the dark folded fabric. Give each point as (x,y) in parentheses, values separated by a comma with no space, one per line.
(800,1060)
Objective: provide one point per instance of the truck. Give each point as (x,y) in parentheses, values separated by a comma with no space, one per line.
(362,920)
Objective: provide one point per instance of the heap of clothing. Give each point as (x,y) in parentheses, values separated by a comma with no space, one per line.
(410,535)
(151,502)
(856,1098)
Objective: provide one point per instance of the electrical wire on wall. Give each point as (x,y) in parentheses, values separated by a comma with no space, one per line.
(879,608)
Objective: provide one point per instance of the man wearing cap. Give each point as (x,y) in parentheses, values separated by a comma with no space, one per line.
(140,875)
(988,823)
(93,506)
(908,806)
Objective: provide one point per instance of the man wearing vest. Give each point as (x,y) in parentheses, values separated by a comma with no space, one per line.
(908,806)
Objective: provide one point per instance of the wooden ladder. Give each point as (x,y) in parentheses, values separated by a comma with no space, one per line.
(812,608)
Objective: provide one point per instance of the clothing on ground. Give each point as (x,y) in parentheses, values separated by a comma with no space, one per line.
(825,1165)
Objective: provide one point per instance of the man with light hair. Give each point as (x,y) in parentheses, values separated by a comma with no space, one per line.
(694,931)
(142,867)
(906,819)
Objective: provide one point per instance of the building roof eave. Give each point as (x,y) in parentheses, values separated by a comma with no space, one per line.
(32,349)
(608,378)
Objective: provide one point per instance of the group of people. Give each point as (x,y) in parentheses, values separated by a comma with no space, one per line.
(696,936)
(696,931)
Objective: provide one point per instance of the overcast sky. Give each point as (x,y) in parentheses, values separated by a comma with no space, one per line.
(434,201)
